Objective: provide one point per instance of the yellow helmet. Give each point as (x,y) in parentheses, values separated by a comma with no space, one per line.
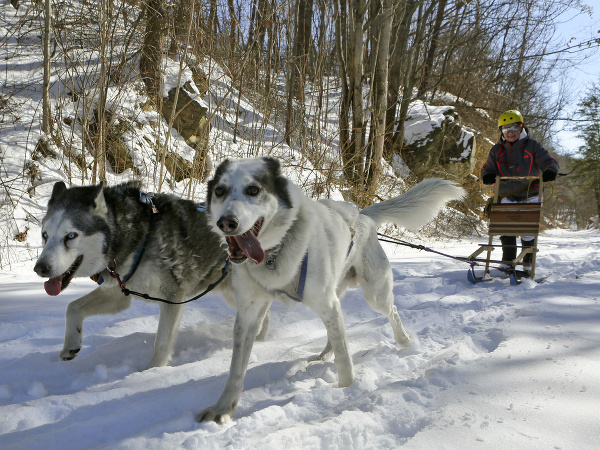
(510,116)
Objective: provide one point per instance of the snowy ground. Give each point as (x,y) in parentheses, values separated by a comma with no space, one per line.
(493,366)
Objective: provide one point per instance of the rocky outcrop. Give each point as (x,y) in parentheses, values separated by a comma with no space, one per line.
(434,138)
(191,122)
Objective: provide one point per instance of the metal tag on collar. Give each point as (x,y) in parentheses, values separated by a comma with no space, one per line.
(112,265)
(146,197)
(270,262)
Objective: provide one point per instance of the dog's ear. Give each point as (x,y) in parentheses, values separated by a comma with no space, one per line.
(57,190)
(273,165)
(99,204)
(280,183)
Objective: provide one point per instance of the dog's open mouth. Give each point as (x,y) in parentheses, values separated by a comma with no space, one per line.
(55,285)
(246,245)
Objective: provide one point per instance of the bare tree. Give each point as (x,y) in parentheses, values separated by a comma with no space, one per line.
(298,64)
(433,45)
(152,52)
(380,50)
(46,113)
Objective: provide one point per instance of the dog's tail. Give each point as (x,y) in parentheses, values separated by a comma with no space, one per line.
(417,206)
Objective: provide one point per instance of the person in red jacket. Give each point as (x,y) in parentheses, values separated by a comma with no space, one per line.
(517,155)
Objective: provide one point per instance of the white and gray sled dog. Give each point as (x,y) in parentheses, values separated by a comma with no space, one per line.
(285,245)
(158,245)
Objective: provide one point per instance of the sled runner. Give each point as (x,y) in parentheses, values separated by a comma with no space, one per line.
(514,275)
(509,219)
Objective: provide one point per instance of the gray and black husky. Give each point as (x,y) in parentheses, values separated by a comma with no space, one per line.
(157,245)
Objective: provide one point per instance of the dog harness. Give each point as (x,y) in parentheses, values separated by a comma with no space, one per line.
(146,198)
(295,290)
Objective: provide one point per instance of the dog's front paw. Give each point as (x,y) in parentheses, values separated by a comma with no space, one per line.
(403,339)
(213,414)
(67,354)
(72,344)
(345,380)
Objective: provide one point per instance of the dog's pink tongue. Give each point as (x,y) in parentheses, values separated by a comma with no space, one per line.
(251,247)
(53,285)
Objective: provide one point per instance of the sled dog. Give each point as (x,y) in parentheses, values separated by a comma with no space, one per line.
(158,245)
(285,245)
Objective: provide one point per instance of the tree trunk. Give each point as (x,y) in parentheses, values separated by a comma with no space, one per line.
(399,66)
(411,57)
(355,156)
(302,39)
(46,113)
(341,21)
(100,156)
(380,50)
(233,27)
(298,64)
(435,34)
(151,58)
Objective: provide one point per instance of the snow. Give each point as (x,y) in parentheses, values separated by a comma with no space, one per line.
(492,365)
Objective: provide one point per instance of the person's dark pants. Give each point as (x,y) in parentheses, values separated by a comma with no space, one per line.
(509,249)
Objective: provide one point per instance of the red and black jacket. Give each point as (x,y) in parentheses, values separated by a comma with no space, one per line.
(523,158)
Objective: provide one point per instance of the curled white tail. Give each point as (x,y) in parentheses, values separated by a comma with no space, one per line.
(417,206)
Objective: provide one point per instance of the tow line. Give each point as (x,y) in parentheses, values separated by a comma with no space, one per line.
(515,275)
(393,240)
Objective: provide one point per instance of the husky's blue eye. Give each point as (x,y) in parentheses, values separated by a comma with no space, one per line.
(252,191)
(44,237)
(71,236)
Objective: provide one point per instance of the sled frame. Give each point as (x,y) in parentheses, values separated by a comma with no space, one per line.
(511,219)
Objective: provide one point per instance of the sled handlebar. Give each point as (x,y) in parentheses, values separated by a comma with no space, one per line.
(518,178)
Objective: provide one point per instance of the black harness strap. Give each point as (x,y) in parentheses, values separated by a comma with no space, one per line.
(124,290)
(393,240)
(146,198)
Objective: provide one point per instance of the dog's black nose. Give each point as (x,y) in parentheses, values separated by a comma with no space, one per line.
(228,223)
(42,269)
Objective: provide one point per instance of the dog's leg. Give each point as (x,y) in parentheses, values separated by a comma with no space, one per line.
(376,280)
(381,298)
(264,326)
(168,328)
(325,354)
(244,334)
(331,315)
(99,301)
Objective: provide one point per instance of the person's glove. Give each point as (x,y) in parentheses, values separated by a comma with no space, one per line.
(489,178)
(548,175)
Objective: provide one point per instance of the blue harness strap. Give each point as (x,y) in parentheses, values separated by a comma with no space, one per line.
(301,282)
(302,277)
(144,198)
(132,269)
(136,261)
